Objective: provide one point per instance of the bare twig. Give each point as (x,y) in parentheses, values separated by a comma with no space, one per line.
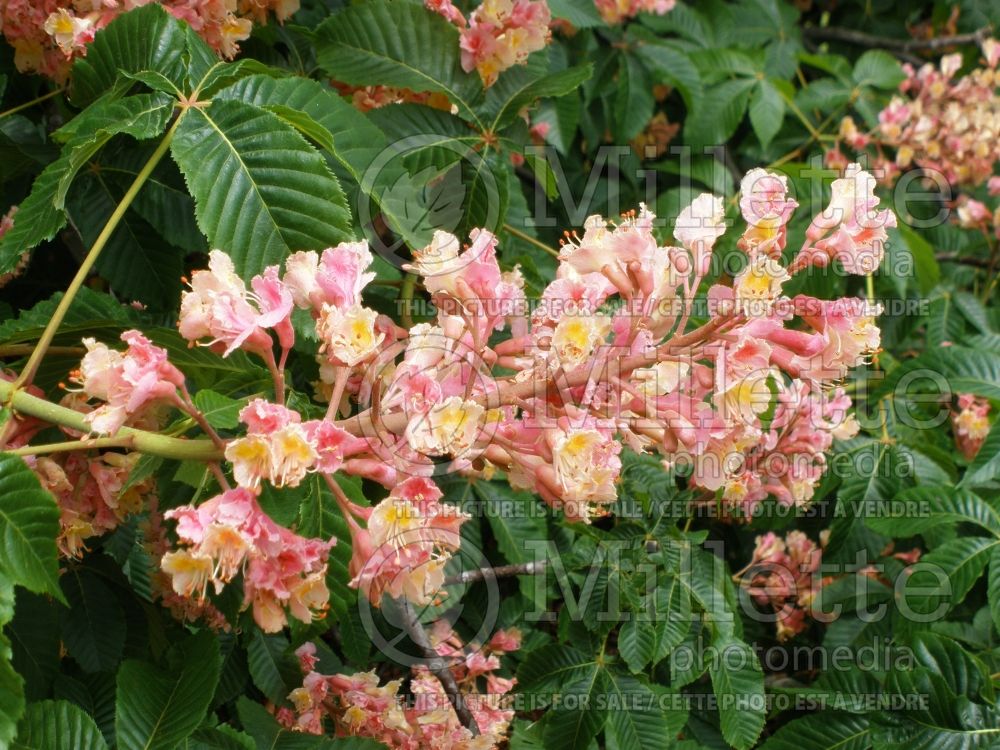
(501,571)
(438,666)
(861,39)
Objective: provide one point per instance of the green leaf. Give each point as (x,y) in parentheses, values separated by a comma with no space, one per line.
(29,525)
(35,642)
(944,576)
(58,725)
(581,15)
(719,113)
(356,145)
(136,261)
(393,43)
(952,369)
(918,509)
(738,684)
(636,716)
(158,709)
(320,518)
(634,99)
(144,39)
(927,270)
(767,111)
(94,631)
(514,518)
(38,220)
(223,737)
(264,653)
(879,69)
(829,730)
(505,102)
(11,683)
(545,669)
(221,411)
(261,192)
(993,587)
(671,64)
(637,643)
(142,116)
(579,715)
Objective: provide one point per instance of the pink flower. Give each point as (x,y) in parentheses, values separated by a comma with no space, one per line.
(970,424)
(501,34)
(219,306)
(409,539)
(230,534)
(127,382)
(698,227)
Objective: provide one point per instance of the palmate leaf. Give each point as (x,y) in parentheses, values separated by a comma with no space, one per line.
(261,191)
(944,576)
(58,725)
(396,43)
(580,714)
(141,116)
(985,467)
(158,709)
(29,525)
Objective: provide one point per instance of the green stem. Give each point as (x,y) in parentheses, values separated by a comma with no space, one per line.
(142,441)
(28,373)
(406,292)
(32,103)
(74,445)
(530,240)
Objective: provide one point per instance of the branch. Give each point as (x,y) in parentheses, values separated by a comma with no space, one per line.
(862,39)
(438,666)
(502,571)
(142,441)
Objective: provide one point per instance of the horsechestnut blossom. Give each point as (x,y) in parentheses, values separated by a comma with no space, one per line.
(851,229)
(229,534)
(940,121)
(127,382)
(47,35)
(617,11)
(783,575)
(282,449)
(220,307)
(970,424)
(359,706)
(499,34)
(409,540)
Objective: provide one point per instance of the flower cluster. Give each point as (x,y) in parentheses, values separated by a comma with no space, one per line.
(281,448)
(229,535)
(783,575)
(617,11)
(970,423)
(499,34)
(127,382)
(408,541)
(941,122)
(93,492)
(698,402)
(48,34)
(359,706)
